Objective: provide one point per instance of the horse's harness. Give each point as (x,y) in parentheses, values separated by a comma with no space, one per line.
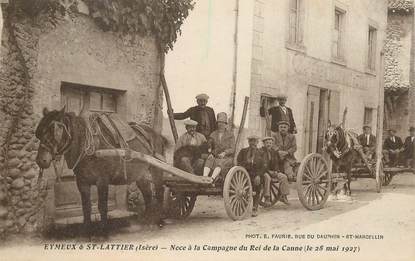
(346,146)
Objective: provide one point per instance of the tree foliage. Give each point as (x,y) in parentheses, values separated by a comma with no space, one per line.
(161,18)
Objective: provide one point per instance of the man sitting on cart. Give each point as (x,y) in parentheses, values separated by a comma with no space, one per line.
(193,138)
(223,139)
(251,159)
(368,142)
(273,170)
(286,145)
(392,148)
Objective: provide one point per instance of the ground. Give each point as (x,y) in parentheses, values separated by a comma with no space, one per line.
(389,214)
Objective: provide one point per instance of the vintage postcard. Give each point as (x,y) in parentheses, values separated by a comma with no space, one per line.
(207,130)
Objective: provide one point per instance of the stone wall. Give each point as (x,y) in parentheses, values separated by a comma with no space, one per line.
(35,58)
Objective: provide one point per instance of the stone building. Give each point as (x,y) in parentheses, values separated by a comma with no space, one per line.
(398,59)
(55,54)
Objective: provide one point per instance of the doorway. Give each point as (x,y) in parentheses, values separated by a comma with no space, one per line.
(322,106)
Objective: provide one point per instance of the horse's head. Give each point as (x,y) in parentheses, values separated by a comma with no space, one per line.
(332,139)
(54,136)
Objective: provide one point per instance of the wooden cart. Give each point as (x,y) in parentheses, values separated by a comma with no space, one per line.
(181,188)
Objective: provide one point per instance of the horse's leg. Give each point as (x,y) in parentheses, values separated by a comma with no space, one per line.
(85,190)
(102,187)
(157,177)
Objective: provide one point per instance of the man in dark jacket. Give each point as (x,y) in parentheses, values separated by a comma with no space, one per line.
(202,114)
(251,159)
(392,147)
(273,169)
(368,142)
(280,113)
(408,151)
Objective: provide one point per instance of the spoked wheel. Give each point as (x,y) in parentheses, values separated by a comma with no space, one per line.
(179,205)
(237,193)
(275,194)
(313,181)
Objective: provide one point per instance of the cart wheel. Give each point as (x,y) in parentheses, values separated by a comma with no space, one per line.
(237,193)
(275,194)
(179,205)
(313,181)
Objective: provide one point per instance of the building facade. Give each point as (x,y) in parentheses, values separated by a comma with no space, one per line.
(325,56)
(399,60)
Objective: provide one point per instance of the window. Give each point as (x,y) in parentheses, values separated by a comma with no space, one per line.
(367,118)
(371,53)
(338,34)
(295,22)
(95,99)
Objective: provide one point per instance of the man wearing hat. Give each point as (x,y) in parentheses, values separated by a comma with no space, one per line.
(202,114)
(273,169)
(280,113)
(408,148)
(368,142)
(251,159)
(194,138)
(392,147)
(286,145)
(223,141)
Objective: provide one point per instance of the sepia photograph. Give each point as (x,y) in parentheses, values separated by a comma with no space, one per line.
(207,130)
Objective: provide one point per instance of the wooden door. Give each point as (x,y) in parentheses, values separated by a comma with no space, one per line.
(67,197)
(312,119)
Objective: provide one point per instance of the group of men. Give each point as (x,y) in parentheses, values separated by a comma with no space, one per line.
(274,160)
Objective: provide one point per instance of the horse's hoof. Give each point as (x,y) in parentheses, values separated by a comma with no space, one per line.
(332,197)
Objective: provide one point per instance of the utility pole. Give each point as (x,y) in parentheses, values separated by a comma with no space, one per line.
(411,90)
(235,65)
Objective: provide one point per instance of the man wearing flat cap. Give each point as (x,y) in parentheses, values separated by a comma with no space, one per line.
(368,142)
(408,151)
(280,113)
(223,141)
(202,114)
(273,170)
(392,148)
(194,138)
(251,159)
(286,145)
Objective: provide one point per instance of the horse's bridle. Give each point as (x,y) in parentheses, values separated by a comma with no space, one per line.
(55,151)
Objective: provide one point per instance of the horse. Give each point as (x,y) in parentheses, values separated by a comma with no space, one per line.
(62,133)
(342,146)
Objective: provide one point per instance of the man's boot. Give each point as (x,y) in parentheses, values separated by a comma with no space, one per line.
(284,200)
(267,201)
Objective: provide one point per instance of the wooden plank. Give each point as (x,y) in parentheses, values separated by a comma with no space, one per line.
(126,153)
(241,128)
(379,126)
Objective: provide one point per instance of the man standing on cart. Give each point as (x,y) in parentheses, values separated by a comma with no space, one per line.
(251,159)
(286,145)
(280,113)
(223,139)
(202,114)
(273,170)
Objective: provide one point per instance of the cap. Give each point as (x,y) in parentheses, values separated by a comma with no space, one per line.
(367,126)
(282,96)
(412,128)
(253,137)
(392,130)
(202,96)
(222,117)
(268,138)
(283,123)
(190,123)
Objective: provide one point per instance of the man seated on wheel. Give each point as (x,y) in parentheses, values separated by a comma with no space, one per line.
(273,170)
(223,139)
(286,145)
(193,138)
(251,159)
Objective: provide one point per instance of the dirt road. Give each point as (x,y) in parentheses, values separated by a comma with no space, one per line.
(374,226)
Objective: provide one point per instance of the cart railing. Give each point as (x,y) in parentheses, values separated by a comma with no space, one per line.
(131,154)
